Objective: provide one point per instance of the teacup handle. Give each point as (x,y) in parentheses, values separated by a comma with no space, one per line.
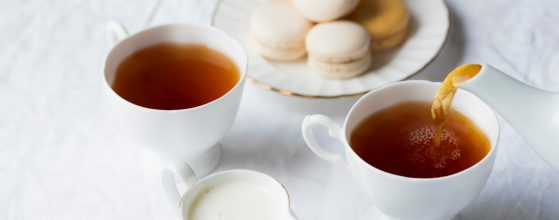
(115,32)
(333,130)
(177,172)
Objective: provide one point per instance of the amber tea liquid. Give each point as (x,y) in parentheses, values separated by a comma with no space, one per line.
(172,76)
(444,96)
(400,140)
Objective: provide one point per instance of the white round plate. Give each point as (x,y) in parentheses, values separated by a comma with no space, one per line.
(428,32)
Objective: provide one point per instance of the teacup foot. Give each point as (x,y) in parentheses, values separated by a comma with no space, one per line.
(206,162)
(383,216)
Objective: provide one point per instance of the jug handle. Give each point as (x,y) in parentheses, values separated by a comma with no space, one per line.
(177,174)
(333,130)
(115,32)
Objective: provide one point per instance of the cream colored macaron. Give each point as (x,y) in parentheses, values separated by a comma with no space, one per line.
(338,50)
(279,31)
(325,10)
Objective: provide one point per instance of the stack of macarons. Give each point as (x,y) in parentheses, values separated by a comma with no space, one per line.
(337,49)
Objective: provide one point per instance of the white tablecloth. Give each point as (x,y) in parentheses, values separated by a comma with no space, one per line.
(61,157)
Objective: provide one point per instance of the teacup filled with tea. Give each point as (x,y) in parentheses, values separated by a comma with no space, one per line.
(418,157)
(175,89)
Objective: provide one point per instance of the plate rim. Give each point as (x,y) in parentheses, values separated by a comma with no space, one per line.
(296,94)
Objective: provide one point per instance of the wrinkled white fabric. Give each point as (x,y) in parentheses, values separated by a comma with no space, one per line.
(61,157)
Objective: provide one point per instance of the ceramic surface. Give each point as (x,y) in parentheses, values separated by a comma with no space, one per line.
(191,134)
(401,197)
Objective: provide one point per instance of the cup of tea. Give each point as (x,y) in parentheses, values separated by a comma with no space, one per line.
(175,88)
(232,194)
(388,139)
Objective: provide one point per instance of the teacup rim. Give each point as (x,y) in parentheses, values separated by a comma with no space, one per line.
(232,171)
(241,67)
(492,151)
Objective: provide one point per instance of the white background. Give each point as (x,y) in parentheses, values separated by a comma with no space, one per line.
(61,157)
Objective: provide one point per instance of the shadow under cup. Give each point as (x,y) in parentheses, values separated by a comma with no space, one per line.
(190,134)
(421,198)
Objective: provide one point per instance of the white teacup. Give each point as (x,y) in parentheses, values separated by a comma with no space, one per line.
(232,194)
(191,134)
(399,197)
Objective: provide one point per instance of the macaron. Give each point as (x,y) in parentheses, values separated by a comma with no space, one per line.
(338,50)
(386,21)
(278,31)
(324,10)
